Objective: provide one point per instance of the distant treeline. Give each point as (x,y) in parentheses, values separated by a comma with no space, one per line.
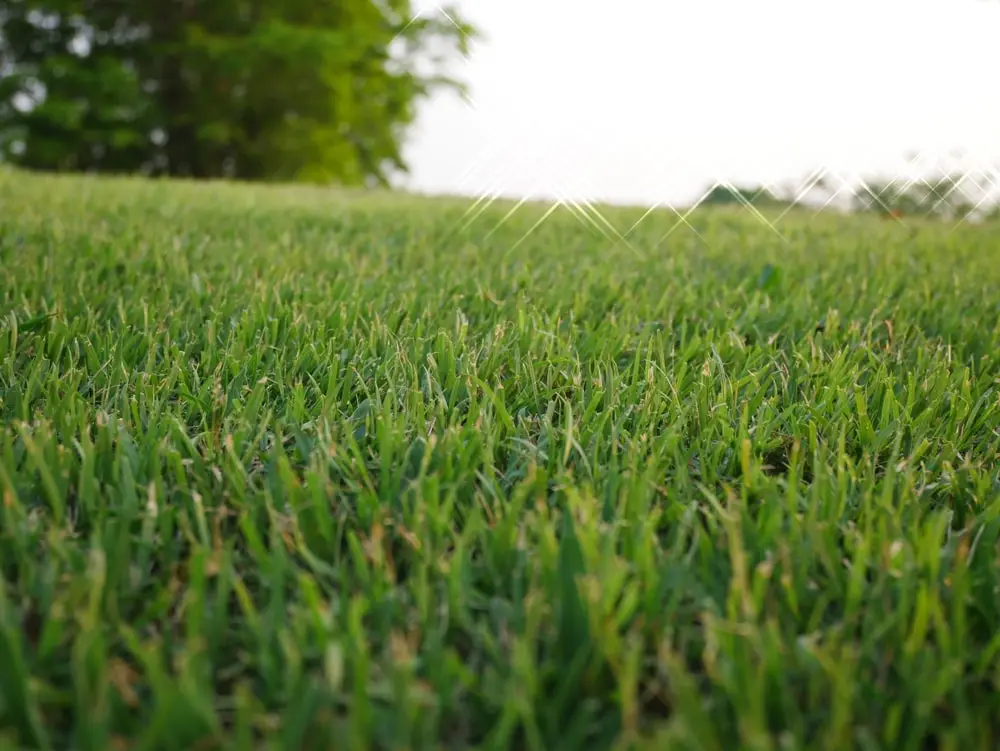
(949,196)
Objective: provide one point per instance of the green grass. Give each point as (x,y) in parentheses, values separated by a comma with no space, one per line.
(292,468)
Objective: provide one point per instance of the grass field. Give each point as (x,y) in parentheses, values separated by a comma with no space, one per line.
(291,468)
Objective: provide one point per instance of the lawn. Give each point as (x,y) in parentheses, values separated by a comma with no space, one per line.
(307,469)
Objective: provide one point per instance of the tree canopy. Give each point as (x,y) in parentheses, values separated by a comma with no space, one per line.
(314,90)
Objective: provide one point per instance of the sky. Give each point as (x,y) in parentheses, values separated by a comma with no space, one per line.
(650,101)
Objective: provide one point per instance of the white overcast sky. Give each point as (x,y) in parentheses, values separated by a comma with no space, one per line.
(651,100)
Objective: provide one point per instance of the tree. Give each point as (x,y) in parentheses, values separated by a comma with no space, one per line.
(946,196)
(734,195)
(317,90)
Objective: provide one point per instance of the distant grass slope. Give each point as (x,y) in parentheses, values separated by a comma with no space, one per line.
(293,468)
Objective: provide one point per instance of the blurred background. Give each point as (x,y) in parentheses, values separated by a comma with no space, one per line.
(645,101)
(865,104)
